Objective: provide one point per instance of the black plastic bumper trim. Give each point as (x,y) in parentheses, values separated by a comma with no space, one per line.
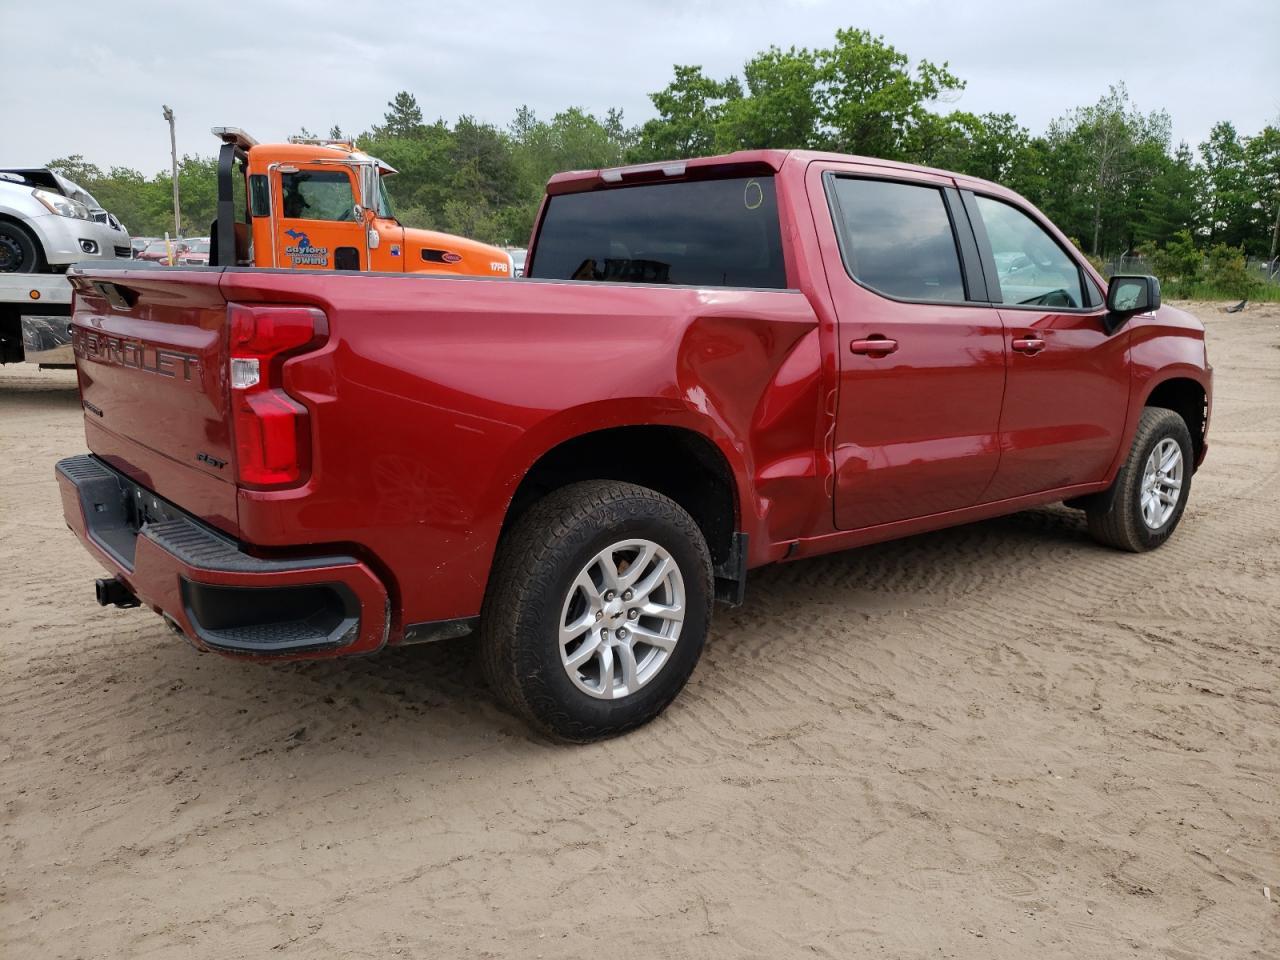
(268,621)
(434,630)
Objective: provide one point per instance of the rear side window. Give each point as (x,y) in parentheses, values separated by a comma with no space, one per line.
(704,233)
(317,195)
(259,195)
(896,238)
(1033,270)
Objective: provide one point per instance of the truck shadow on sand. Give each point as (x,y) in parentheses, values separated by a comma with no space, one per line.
(430,703)
(25,389)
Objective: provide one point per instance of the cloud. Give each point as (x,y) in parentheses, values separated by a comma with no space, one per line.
(279,65)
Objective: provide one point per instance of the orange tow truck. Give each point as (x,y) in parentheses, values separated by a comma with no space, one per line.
(313,204)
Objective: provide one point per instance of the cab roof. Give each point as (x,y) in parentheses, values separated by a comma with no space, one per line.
(299,152)
(743,162)
(303,152)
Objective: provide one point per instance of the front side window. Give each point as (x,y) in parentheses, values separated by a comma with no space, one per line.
(1032,269)
(896,238)
(706,233)
(317,195)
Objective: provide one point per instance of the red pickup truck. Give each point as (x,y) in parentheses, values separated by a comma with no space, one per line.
(709,366)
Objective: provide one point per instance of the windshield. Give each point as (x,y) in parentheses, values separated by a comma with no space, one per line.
(384,201)
(197,246)
(156,246)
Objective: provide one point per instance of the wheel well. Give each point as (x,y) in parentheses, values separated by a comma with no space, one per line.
(17,222)
(41,259)
(1187,399)
(678,463)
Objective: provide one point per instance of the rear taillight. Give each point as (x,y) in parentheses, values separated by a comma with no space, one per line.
(272,429)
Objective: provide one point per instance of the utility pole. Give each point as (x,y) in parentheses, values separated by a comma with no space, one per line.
(173,156)
(1275,234)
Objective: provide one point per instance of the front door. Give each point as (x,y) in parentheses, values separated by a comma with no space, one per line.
(315,218)
(1067,394)
(922,361)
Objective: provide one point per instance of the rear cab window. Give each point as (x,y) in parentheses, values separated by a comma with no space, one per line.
(703,233)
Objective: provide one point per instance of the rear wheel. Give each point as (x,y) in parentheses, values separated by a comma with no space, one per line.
(19,251)
(597,611)
(1151,489)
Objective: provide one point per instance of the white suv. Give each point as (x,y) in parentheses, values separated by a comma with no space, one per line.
(47,222)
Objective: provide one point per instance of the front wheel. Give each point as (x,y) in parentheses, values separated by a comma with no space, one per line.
(1151,489)
(597,610)
(19,251)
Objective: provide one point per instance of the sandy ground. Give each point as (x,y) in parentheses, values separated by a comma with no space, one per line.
(1000,741)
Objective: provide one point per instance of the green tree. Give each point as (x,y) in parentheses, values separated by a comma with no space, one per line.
(1171,203)
(1227,271)
(1178,262)
(402,119)
(617,129)
(1262,170)
(1230,192)
(524,122)
(1103,172)
(1109,148)
(421,187)
(780,107)
(78,170)
(870,99)
(689,109)
(990,146)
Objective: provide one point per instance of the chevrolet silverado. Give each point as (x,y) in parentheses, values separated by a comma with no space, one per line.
(710,365)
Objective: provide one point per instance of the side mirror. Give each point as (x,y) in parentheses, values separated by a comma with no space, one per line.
(1128,295)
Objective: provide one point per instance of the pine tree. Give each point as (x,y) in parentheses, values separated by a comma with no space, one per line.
(403,117)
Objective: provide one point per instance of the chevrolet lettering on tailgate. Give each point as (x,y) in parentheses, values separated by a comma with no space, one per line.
(99,347)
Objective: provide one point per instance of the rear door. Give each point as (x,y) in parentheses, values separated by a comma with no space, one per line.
(314,218)
(1067,393)
(921,351)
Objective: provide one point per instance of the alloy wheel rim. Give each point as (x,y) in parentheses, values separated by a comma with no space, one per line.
(1161,483)
(621,619)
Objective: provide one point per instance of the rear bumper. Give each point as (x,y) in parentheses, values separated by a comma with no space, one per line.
(220,597)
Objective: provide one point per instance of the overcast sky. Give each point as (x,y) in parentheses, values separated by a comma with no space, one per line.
(92,79)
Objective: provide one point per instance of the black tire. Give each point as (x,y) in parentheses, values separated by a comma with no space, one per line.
(19,251)
(1115,518)
(532,576)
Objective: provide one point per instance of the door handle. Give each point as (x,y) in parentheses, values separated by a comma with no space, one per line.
(874,346)
(1028,345)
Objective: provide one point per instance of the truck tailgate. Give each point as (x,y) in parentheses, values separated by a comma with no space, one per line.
(150,349)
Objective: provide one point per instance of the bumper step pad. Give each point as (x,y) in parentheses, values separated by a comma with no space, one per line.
(232,601)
